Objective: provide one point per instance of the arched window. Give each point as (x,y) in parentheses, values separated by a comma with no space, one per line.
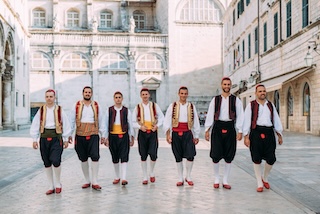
(200,11)
(40,61)
(150,62)
(276,100)
(39,17)
(113,62)
(290,102)
(105,19)
(140,19)
(75,62)
(73,18)
(306,100)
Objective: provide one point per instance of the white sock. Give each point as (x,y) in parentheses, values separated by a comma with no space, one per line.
(152,164)
(57,173)
(180,171)
(216,173)
(144,170)
(257,172)
(49,174)
(95,169)
(124,170)
(189,165)
(267,169)
(227,168)
(85,170)
(117,170)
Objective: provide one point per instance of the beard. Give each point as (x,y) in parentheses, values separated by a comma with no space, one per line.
(87,98)
(226,90)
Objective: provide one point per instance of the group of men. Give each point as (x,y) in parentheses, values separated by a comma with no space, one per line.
(226,120)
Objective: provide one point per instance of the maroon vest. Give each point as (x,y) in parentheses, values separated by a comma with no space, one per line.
(232,107)
(123,118)
(255,111)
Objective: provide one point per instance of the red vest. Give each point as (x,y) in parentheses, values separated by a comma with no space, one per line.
(232,107)
(255,110)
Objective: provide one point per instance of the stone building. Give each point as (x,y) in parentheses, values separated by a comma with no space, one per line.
(122,45)
(14,64)
(275,42)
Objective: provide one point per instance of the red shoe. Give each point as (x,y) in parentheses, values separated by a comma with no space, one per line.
(58,190)
(216,186)
(96,187)
(50,191)
(116,181)
(179,183)
(152,179)
(260,189)
(145,182)
(124,182)
(84,186)
(226,186)
(190,182)
(266,184)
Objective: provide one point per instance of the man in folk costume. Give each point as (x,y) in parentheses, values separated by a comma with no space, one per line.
(118,135)
(261,121)
(224,119)
(86,119)
(147,117)
(182,128)
(53,127)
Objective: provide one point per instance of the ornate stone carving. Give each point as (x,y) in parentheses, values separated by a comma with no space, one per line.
(8,73)
(2,66)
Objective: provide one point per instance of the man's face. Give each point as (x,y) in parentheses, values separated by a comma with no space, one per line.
(226,85)
(87,93)
(50,97)
(145,96)
(118,99)
(183,94)
(261,93)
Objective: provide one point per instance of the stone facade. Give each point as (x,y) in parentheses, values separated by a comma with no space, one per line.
(14,64)
(268,44)
(96,43)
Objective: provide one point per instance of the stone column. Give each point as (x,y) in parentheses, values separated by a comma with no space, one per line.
(124,15)
(7,107)
(94,73)
(132,78)
(56,73)
(2,69)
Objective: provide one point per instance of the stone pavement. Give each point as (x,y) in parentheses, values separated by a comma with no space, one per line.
(294,180)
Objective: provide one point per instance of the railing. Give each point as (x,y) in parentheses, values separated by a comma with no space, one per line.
(71,39)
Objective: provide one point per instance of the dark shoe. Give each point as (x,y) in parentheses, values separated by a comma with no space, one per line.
(152,179)
(145,182)
(226,186)
(116,181)
(266,184)
(216,186)
(260,189)
(179,183)
(190,182)
(50,191)
(96,187)
(124,182)
(84,186)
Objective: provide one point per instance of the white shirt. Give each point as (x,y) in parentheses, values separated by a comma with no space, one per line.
(50,124)
(183,118)
(224,113)
(264,118)
(105,122)
(147,115)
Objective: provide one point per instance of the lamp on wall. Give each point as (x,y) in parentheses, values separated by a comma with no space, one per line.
(313,45)
(55,52)
(253,76)
(94,52)
(308,59)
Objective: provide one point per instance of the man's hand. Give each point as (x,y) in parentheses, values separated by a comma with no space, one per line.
(168,137)
(106,142)
(143,128)
(65,144)
(246,141)
(35,145)
(132,141)
(196,141)
(280,140)
(207,135)
(70,139)
(239,136)
(154,128)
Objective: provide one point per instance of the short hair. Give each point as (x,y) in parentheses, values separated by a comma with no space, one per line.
(259,85)
(144,89)
(183,88)
(117,92)
(85,88)
(51,90)
(225,78)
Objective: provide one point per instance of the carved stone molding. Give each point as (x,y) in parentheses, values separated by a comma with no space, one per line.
(8,73)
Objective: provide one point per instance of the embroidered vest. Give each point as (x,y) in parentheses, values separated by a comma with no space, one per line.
(79,108)
(175,115)
(153,113)
(232,107)
(57,118)
(255,111)
(123,118)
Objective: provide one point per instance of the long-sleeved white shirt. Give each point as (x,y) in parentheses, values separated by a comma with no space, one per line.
(183,118)
(224,113)
(147,115)
(50,124)
(264,118)
(105,122)
(86,117)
